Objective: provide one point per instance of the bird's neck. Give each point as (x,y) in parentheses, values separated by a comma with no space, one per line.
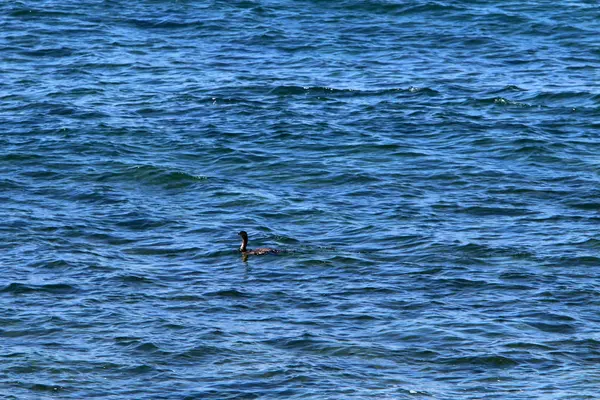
(244,244)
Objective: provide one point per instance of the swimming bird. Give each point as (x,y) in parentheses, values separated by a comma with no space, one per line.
(256,252)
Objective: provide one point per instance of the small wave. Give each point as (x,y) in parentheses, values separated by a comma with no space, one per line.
(135,279)
(325,90)
(540,100)
(566,99)
(463,283)
(579,260)
(506,102)
(313,344)
(368,290)
(148,347)
(549,316)
(528,346)
(127,340)
(8,184)
(42,387)
(152,175)
(162,24)
(511,276)
(226,293)
(34,332)
(553,328)
(95,197)
(224,99)
(401,8)
(500,211)
(589,243)
(56,288)
(135,222)
(49,52)
(511,88)
(184,297)
(139,369)
(52,263)
(18,157)
(203,351)
(138,345)
(493,361)
(30,12)
(154,250)
(590,206)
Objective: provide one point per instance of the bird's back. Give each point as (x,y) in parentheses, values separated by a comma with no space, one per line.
(263,250)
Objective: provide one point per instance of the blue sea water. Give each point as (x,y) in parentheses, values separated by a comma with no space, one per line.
(431,170)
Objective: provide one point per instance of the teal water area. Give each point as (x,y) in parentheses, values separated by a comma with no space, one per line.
(431,170)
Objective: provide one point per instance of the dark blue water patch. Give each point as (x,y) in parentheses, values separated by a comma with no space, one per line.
(227,293)
(40,387)
(136,222)
(135,279)
(483,361)
(22,289)
(39,332)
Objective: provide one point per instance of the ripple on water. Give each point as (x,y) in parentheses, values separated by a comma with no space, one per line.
(57,289)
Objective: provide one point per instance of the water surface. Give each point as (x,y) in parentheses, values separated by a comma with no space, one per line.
(430,168)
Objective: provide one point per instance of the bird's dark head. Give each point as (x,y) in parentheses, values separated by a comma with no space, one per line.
(243,234)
